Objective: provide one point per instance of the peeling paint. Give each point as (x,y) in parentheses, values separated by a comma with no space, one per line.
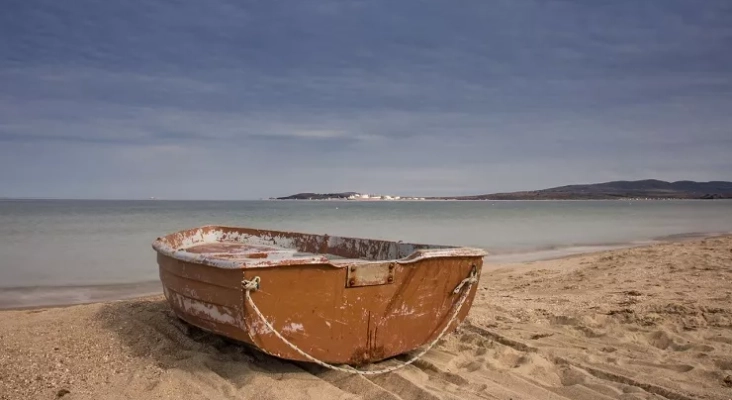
(211,312)
(259,327)
(404,310)
(293,327)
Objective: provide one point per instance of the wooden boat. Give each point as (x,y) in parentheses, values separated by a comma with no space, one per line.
(310,297)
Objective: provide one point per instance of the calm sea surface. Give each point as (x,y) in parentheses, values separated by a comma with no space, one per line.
(59,243)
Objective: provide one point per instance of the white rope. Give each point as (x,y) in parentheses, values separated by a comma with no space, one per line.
(470,280)
(253,285)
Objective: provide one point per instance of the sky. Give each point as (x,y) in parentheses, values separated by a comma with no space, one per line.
(250,99)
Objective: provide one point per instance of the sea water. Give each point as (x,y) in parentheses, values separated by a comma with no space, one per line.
(80,250)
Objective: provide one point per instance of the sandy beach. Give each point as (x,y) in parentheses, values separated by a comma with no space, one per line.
(651,322)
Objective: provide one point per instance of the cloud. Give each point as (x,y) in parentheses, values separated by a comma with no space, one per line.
(406,97)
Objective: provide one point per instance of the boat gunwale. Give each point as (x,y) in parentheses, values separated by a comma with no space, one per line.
(422,251)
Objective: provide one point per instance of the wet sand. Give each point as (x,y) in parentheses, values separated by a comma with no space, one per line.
(650,322)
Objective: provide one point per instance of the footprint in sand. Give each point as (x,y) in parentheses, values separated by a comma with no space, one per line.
(575,323)
(662,340)
(672,367)
(538,336)
(563,320)
(474,342)
(570,376)
(724,364)
(703,348)
(589,332)
(474,365)
(720,339)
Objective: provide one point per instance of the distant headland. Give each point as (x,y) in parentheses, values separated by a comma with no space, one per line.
(345,196)
(649,189)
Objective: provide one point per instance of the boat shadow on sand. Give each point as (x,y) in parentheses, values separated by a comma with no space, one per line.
(149,329)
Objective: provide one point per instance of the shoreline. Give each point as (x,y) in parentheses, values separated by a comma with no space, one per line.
(42,297)
(47,296)
(549,253)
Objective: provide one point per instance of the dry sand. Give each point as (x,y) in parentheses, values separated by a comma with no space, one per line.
(643,323)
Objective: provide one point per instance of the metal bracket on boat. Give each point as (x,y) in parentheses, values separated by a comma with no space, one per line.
(370,274)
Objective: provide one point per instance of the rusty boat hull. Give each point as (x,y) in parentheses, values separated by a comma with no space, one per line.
(341,300)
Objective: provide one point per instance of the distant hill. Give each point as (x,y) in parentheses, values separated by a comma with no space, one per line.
(649,188)
(318,196)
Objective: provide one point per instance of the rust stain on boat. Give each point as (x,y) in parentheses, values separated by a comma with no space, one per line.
(342,300)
